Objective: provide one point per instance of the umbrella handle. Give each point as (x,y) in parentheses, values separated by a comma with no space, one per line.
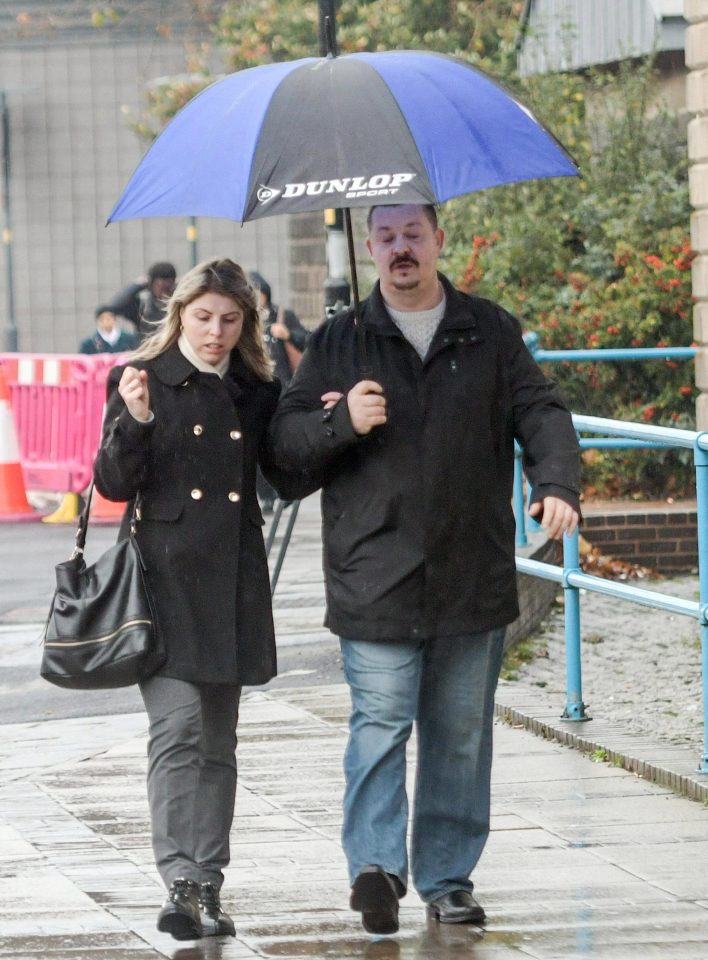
(366,369)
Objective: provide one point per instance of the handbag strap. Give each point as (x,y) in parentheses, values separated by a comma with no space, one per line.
(84,521)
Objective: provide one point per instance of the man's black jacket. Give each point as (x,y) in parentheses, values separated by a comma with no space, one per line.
(417,519)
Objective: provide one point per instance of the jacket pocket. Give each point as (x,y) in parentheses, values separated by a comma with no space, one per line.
(164,508)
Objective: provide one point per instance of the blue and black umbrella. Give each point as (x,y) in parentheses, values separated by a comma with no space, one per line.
(350,131)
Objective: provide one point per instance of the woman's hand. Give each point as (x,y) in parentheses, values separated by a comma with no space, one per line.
(133,389)
(331,399)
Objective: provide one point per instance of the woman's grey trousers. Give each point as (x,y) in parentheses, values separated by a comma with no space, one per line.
(191,776)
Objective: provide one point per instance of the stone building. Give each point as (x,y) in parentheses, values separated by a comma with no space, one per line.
(69,74)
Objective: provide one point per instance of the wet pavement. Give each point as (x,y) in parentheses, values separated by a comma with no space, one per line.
(584,860)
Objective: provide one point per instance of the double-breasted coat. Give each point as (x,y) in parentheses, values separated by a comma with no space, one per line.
(200,530)
(417,520)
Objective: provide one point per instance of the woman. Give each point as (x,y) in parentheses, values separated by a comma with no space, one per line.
(185,428)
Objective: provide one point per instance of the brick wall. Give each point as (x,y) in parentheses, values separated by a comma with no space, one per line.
(535,595)
(663,539)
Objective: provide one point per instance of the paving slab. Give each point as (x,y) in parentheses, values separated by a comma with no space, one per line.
(584,859)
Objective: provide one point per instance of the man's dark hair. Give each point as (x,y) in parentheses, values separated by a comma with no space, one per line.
(104,308)
(260,283)
(428,209)
(161,271)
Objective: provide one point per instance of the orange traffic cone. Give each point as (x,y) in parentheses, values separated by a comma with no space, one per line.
(13,500)
(105,511)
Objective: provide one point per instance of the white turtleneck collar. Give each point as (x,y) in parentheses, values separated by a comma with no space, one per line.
(219,368)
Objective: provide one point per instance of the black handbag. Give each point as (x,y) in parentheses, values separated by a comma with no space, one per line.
(101,631)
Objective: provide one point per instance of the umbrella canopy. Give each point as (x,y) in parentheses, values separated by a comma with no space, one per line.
(350,131)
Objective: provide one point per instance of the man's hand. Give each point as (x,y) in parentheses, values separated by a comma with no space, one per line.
(134,390)
(279,331)
(558,516)
(367,406)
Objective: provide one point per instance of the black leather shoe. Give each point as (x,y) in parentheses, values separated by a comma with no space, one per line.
(180,914)
(375,897)
(215,921)
(458,906)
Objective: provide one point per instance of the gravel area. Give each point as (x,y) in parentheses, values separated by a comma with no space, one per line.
(641,667)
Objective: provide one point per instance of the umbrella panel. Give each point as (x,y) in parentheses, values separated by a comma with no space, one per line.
(394,127)
(335,136)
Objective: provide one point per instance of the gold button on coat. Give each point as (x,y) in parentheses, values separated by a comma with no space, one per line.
(235,434)
(234,497)
(196,494)
(197,429)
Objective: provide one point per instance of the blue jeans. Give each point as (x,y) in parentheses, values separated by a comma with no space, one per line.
(447,687)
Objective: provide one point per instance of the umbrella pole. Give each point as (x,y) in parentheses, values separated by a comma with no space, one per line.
(366,370)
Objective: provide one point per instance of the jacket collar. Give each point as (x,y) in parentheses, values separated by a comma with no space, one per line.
(458,311)
(174,369)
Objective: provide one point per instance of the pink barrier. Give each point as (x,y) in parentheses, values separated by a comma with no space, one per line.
(57,403)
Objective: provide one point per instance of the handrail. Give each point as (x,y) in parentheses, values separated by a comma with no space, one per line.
(601,354)
(573,579)
(671,436)
(645,437)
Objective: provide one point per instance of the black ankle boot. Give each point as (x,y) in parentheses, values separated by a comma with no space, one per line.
(215,921)
(180,913)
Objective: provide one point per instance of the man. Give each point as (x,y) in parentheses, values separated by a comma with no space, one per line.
(108,336)
(285,339)
(143,302)
(416,467)
(280,327)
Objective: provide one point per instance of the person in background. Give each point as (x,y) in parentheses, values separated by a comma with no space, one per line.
(143,303)
(285,339)
(416,465)
(185,426)
(108,338)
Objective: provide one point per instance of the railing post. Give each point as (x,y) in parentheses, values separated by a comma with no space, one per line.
(574,706)
(700,457)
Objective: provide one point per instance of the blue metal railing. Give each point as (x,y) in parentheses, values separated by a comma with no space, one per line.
(607,443)
(619,434)
(601,354)
(573,579)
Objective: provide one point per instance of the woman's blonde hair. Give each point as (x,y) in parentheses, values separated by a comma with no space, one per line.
(227,279)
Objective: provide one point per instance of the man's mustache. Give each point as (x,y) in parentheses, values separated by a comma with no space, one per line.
(403,259)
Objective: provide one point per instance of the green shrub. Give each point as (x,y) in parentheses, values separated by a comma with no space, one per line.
(600,262)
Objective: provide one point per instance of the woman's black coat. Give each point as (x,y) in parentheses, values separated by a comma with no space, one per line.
(200,532)
(417,520)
